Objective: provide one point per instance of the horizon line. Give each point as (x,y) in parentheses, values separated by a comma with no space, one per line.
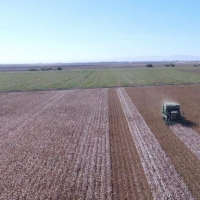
(85,62)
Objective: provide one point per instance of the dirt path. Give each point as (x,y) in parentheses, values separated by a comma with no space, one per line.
(162,176)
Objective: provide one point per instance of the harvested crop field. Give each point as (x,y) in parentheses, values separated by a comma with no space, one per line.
(99,144)
(129,180)
(148,102)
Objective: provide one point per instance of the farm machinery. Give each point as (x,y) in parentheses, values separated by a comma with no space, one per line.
(171,112)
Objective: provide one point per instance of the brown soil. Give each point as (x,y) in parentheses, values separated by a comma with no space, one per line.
(148,101)
(128,178)
(164,181)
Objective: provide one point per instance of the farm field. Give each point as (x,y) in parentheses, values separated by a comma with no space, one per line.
(58,149)
(91,78)
(129,180)
(99,144)
(185,158)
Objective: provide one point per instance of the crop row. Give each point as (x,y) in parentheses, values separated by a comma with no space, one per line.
(128,177)
(148,102)
(161,174)
(59,149)
(99,144)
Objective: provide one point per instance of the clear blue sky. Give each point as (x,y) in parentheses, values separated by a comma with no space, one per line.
(91,30)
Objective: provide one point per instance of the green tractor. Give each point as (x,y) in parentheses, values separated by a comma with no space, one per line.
(171,112)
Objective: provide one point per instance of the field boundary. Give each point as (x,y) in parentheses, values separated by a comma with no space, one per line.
(90,88)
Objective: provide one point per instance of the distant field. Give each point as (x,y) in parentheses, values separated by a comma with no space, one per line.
(90,78)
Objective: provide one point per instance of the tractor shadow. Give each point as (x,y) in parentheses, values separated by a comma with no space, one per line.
(185,123)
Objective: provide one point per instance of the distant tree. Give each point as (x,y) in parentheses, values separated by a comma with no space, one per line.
(195,65)
(172,65)
(46,69)
(167,65)
(59,68)
(33,70)
(149,65)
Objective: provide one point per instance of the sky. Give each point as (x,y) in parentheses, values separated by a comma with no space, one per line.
(44,31)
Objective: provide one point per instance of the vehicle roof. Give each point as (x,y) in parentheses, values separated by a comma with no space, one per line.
(171,104)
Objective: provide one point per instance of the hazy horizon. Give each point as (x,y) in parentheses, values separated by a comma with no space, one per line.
(88,31)
(180,58)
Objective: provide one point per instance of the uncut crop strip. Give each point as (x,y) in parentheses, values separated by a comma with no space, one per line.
(13,128)
(63,153)
(162,176)
(128,177)
(95,155)
(190,137)
(16,142)
(16,108)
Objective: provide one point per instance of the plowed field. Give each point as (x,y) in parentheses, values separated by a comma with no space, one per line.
(99,144)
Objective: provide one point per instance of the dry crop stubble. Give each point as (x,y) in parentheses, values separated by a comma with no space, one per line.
(148,101)
(128,177)
(62,152)
(162,176)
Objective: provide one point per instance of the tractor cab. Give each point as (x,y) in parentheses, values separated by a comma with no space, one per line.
(171,111)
